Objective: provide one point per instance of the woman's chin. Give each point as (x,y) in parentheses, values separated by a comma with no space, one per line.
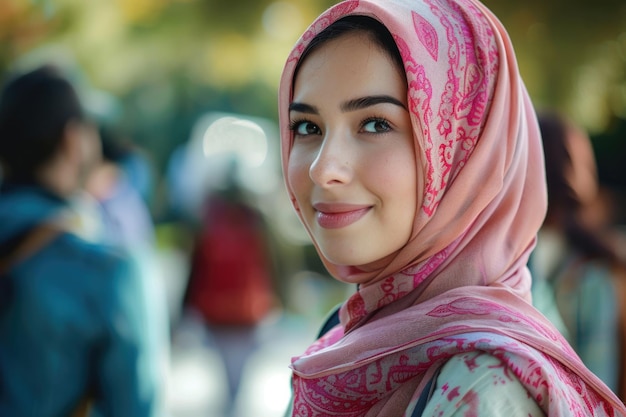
(360,274)
(349,273)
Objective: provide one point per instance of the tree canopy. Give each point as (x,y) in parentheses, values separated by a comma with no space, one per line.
(155,65)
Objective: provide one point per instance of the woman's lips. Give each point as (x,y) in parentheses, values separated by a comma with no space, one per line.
(337,216)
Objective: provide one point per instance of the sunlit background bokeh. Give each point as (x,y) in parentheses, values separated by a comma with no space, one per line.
(157,65)
(181,77)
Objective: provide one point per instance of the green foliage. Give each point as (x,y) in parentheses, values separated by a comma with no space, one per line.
(168,61)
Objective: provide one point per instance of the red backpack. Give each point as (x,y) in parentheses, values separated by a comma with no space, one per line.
(230,281)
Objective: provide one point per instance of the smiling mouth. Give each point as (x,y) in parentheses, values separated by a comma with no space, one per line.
(336,220)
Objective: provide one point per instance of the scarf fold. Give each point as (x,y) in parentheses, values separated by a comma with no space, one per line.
(461,281)
(388,362)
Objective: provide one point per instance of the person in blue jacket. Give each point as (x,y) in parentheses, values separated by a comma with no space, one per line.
(71,338)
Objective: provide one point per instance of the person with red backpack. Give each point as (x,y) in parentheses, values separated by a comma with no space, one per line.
(230,281)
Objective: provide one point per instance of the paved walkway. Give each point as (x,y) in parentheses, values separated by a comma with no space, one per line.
(197,385)
(197,381)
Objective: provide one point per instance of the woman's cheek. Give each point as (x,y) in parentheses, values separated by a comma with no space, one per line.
(298,172)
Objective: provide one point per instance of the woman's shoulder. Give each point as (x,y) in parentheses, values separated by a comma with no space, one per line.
(481,384)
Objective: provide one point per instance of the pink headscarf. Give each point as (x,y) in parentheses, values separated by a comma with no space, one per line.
(460,283)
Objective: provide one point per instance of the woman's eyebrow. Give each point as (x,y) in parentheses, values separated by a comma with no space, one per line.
(350,105)
(363,102)
(303,108)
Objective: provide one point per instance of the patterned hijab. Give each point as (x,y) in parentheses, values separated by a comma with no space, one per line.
(460,283)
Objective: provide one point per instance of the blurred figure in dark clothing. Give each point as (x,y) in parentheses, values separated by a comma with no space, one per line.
(575,263)
(70,327)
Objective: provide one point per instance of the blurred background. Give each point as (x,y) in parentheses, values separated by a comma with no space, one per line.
(176,80)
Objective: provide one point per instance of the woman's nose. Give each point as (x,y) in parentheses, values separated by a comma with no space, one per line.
(333,162)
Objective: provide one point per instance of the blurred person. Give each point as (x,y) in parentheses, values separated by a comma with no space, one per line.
(575,262)
(71,339)
(136,164)
(126,217)
(126,222)
(230,285)
(412,156)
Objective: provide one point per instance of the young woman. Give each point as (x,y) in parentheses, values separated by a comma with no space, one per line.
(412,156)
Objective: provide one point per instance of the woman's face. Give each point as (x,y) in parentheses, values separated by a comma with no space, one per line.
(352,166)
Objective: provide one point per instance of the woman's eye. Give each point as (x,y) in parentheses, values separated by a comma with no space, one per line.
(376,126)
(304,128)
